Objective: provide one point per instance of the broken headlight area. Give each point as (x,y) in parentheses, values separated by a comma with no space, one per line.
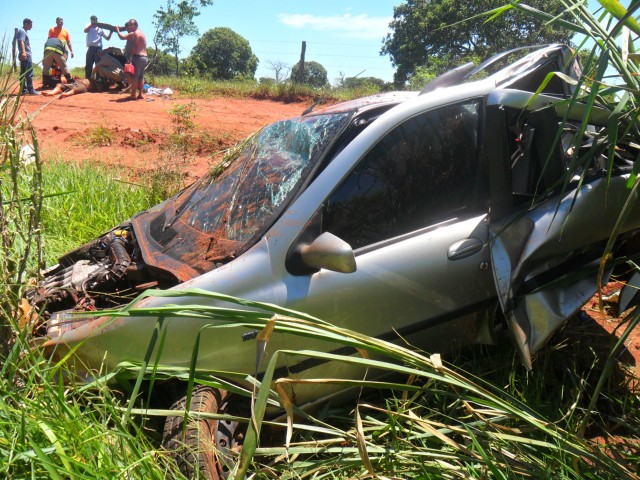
(105,273)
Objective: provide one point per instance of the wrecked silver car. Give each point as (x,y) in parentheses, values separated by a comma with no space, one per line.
(405,214)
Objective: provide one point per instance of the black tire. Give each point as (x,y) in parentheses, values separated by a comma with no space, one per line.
(208,447)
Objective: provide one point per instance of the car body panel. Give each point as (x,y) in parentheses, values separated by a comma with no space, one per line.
(546,261)
(430,272)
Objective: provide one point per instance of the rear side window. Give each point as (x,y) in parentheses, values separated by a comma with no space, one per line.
(423,172)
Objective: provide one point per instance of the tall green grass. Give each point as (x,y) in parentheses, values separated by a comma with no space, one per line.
(49,428)
(84,200)
(20,204)
(424,419)
(283,92)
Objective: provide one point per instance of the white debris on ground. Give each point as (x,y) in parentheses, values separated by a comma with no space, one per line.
(165,92)
(27,155)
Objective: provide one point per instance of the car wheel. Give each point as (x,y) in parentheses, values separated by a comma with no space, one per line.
(208,447)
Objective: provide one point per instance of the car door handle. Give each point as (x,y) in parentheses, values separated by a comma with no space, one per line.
(464,248)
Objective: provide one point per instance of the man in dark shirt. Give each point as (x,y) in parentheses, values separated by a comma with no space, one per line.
(26,62)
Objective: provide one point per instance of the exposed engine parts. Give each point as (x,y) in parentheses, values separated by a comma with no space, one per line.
(106,272)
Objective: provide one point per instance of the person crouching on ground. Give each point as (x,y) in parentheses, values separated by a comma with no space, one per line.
(109,68)
(76,88)
(137,50)
(54,50)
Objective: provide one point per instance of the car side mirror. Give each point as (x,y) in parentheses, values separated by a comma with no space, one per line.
(329,252)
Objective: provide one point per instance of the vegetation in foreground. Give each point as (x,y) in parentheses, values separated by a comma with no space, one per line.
(485,418)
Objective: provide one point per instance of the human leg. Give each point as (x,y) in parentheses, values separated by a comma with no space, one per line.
(90,60)
(61,61)
(47,62)
(140,65)
(88,63)
(47,65)
(23,75)
(50,93)
(26,75)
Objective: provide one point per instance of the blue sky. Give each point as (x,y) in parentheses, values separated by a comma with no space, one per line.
(344,36)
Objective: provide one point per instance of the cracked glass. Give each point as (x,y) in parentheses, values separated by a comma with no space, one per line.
(265,171)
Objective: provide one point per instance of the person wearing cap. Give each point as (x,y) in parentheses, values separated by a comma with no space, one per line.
(95,34)
(136,51)
(26,62)
(59,32)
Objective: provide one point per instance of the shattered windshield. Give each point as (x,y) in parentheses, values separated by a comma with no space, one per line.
(235,205)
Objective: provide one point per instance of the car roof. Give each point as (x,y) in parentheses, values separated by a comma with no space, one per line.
(374,101)
(531,59)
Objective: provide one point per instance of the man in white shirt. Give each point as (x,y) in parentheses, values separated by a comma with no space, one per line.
(95,34)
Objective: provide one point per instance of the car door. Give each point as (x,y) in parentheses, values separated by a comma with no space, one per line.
(414,211)
(548,239)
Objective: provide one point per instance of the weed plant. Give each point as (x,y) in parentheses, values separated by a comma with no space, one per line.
(55,430)
(82,202)
(20,205)
(423,419)
(183,126)
(100,136)
(50,430)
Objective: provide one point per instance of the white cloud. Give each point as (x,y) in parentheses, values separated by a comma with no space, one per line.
(347,25)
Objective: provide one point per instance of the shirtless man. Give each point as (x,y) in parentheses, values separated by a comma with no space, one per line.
(136,50)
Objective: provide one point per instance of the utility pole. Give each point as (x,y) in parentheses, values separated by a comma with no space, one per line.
(13,47)
(301,69)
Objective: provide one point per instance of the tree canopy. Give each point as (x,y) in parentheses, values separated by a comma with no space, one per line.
(441,34)
(314,74)
(174,22)
(223,54)
(359,82)
(162,64)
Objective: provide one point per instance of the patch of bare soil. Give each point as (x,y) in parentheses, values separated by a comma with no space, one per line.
(603,310)
(134,134)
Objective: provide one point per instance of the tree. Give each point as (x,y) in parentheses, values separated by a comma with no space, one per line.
(361,82)
(175,22)
(450,32)
(224,55)
(162,64)
(314,74)
(280,70)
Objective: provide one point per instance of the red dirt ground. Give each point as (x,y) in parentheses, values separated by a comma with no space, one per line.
(141,126)
(63,125)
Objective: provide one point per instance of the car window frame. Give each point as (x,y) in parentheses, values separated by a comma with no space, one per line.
(479,203)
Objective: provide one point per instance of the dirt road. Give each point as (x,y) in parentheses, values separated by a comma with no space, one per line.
(65,127)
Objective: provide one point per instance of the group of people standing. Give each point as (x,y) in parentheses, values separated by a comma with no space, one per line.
(58,47)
